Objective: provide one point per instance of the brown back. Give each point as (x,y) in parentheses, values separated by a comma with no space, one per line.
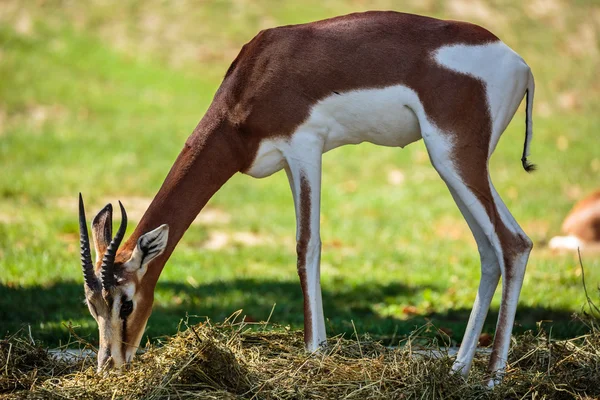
(272,84)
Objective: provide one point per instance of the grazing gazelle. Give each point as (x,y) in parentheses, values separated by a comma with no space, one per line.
(295,92)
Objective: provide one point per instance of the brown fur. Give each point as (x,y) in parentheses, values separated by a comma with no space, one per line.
(283,71)
(272,84)
(270,95)
(583,220)
(302,248)
(279,75)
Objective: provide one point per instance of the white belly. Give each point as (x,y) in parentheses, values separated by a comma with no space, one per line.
(381,116)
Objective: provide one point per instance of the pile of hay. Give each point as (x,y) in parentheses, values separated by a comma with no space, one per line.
(232,360)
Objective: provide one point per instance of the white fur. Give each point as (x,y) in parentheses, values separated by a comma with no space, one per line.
(394,116)
(503,72)
(381,116)
(565,243)
(505,76)
(156,238)
(303,158)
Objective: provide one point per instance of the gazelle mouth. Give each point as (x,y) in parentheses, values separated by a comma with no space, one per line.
(108,365)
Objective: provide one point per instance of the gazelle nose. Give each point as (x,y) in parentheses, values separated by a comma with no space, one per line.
(111,359)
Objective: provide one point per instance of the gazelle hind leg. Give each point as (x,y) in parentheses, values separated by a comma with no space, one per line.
(511,246)
(304,175)
(490,275)
(513,275)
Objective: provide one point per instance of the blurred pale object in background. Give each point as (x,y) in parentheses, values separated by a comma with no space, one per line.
(582,226)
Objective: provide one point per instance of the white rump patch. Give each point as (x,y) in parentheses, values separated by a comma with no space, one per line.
(504,73)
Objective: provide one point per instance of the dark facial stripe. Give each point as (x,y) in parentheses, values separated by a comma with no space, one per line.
(93,307)
(109,299)
(126,310)
(106,353)
(124,339)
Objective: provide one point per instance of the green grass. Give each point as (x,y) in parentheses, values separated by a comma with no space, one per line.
(101,102)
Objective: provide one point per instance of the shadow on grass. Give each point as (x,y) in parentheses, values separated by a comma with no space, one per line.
(47,308)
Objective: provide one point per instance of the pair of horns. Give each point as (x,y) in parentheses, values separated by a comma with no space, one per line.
(108,259)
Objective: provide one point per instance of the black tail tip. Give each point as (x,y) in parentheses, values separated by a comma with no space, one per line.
(527,166)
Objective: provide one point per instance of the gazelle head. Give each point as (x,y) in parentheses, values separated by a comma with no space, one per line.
(114,291)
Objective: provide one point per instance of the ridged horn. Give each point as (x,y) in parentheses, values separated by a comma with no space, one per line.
(108,261)
(86,256)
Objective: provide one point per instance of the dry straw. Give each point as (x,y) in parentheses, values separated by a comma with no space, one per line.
(239,360)
(235,360)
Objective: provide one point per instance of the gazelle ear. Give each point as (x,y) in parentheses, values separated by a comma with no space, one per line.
(149,246)
(102,231)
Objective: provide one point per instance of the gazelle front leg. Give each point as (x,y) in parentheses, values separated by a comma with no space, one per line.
(304,175)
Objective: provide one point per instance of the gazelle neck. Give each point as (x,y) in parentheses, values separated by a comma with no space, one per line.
(211,155)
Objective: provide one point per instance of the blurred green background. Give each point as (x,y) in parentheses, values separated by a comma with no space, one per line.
(99,97)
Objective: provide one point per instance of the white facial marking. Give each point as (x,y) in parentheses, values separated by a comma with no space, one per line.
(128,290)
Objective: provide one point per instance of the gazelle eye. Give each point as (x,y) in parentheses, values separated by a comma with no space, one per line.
(126,309)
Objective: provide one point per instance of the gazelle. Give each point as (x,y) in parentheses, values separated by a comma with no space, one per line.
(582,226)
(295,92)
